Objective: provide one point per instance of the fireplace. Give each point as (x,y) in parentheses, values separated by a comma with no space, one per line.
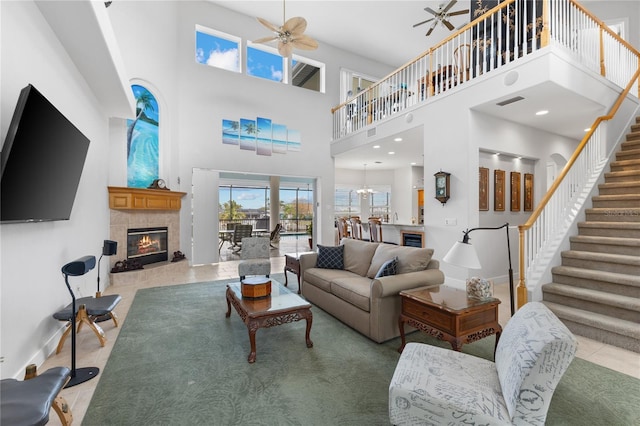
(147,245)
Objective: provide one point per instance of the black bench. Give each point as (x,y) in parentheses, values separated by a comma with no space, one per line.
(89,309)
(29,402)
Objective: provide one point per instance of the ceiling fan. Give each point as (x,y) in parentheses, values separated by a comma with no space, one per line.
(442,15)
(289,35)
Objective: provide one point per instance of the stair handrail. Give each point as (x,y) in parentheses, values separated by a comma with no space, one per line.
(533,218)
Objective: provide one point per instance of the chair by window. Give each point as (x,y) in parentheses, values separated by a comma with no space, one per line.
(356,228)
(274,237)
(375,230)
(240,231)
(255,257)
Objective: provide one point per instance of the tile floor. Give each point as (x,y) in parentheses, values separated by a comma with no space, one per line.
(90,354)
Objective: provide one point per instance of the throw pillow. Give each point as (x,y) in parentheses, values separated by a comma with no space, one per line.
(330,257)
(390,267)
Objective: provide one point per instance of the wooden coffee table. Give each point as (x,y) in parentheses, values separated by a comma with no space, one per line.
(448,314)
(281,307)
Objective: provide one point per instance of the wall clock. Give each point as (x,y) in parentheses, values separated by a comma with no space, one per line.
(443,191)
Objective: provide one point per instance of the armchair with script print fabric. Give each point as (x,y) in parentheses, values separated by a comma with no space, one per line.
(433,385)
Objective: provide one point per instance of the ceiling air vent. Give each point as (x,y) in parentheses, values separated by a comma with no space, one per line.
(371,132)
(510,101)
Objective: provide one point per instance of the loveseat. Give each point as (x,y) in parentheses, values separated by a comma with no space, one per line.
(358,282)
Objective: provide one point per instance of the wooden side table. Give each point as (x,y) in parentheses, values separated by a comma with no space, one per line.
(292,264)
(448,314)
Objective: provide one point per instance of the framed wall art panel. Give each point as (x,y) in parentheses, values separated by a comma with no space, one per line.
(515,191)
(528,192)
(483,177)
(498,190)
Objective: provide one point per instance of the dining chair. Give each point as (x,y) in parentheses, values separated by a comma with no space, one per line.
(461,63)
(375,230)
(356,228)
(342,229)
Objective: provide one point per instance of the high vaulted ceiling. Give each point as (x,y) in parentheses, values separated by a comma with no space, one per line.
(380,30)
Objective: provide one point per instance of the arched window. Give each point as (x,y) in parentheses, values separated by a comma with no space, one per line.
(142,140)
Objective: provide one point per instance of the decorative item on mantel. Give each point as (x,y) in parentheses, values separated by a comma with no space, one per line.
(177,256)
(479,288)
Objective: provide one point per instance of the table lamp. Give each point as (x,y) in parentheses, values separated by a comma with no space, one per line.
(463,254)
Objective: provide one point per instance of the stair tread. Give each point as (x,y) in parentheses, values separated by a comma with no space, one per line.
(617,196)
(616,225)
(592,274)
(608,257)
(621,241)
(605,322)
(603,297)
(606,209)
(619,184)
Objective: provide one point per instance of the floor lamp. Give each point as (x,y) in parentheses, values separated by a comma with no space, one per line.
(463,254)
(76,268)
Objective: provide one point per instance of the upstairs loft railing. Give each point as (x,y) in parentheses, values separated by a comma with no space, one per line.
(508,32)
(542,234)
(503,34)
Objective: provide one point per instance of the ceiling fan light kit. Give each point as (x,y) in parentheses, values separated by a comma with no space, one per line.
(289,36)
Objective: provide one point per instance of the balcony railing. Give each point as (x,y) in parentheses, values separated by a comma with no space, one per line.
(508,32)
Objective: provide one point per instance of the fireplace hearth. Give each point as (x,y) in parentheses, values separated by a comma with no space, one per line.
(147,245)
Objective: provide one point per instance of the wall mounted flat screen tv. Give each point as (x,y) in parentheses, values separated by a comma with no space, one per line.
(41,162)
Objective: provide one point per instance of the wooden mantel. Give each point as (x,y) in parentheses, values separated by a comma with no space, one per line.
(144,199)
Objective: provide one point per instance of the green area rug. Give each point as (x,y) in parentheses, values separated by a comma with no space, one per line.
(179,361)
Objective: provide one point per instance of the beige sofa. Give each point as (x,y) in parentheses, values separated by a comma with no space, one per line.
(353,294)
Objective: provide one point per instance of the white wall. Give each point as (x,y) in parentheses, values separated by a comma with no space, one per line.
(32,286)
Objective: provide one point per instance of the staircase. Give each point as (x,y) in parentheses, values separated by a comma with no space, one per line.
(596,290)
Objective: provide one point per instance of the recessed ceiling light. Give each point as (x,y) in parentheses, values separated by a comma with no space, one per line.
(414,163)
(376,146)
(391,152)
(542,112)
(397,140)
(497,154)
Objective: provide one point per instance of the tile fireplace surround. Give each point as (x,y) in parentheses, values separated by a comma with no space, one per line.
(142,208)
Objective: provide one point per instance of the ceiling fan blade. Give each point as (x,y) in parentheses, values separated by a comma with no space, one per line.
(431,11)
(268,25)
(304,42)
(265,39)
(450,5)
(448,24)
(295,25)
(285,49)
(459,12)
(431,29)
(423,22)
